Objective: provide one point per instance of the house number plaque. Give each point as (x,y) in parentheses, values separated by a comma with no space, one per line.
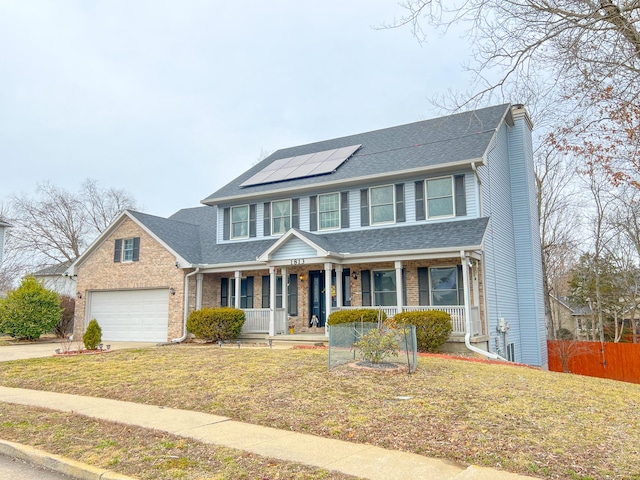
(297,261)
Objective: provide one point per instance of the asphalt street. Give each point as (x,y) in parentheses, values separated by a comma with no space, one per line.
(16,469)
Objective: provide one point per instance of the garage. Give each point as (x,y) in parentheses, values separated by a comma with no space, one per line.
(131,315)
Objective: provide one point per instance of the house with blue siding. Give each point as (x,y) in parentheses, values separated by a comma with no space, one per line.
(438,214)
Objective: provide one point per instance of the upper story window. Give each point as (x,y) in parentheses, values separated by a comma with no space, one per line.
(382,205)
(280,216)
(329,211)
(240,222)
(127,250)
(440,197)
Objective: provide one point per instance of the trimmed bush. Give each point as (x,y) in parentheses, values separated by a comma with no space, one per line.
(29,311)
(216,324)
(356,316)
(433,328)
(93,336)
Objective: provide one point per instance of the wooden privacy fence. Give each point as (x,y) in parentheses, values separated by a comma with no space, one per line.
(615,361)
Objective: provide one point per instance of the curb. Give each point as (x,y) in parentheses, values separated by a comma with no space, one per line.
(71,468)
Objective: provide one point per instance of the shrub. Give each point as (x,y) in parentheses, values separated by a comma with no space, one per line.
(356,316)
(564,334)
(216,323)
(377,345)
(433,328)
(29,311)
(65,325)
(93,335)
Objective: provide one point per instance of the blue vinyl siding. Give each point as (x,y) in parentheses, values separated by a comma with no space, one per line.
(527,235)
(501,281)
(513,260)
(294,248)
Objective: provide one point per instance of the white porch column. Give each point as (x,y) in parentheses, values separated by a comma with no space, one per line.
(399,286)
(272,301)
(465,284)
(238,277)
(199,278)
(339,300)
(285,294)
(327,295)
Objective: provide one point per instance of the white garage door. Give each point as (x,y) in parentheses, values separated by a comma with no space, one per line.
(131,315)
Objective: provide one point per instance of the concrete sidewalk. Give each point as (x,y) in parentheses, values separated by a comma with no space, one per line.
(355,459)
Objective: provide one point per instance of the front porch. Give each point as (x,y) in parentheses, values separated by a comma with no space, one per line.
(257,319)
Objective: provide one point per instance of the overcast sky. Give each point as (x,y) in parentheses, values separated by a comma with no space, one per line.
(172,99)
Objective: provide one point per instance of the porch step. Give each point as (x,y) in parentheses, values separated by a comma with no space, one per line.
(307,339)
(296,339)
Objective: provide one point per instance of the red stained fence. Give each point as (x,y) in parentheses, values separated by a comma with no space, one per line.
(616,361)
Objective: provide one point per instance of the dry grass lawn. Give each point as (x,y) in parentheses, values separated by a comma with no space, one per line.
(515,418)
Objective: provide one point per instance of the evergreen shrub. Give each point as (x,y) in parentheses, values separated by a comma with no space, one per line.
(433,328)
(92,336)
(356,316)
(29,311)
(216,324)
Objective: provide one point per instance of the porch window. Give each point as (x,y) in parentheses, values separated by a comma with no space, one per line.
(293,293)
(382,205)
(240,222)
(440,286)
(329,211)
(440,197)
(228,292)
(280,216)
(384,287)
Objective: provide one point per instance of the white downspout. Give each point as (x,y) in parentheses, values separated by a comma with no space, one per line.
(467,312)
(186,306)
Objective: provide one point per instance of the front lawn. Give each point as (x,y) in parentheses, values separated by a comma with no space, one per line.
(515,418)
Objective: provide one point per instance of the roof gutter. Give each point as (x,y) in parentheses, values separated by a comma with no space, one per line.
(467,313)
(410,172)
(186,306)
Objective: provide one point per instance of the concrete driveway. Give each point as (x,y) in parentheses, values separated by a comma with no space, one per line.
(38,350)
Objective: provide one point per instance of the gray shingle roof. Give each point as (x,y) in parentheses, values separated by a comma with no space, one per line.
(184,230)
(57,269)
(459,137)
(454,235)
(191,234)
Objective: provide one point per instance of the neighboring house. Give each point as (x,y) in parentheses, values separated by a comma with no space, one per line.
(54,278)
(439,214)
(575,318)
(3,227)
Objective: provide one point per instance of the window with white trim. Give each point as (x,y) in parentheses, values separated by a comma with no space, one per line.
(280,216)
(444,286)
(384,288)
(240,222)
(382,204)
(440,197)
(127,250)
(329,211)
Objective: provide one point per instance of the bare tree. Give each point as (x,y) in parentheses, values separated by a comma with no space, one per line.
(103,205)
(58,225)
(582,59)
(558,225)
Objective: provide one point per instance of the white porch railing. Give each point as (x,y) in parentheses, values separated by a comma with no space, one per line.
(257,320)
(456,312)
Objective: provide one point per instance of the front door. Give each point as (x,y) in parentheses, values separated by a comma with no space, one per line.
(316,297)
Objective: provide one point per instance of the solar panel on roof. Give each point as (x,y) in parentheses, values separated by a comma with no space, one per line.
(302,166)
